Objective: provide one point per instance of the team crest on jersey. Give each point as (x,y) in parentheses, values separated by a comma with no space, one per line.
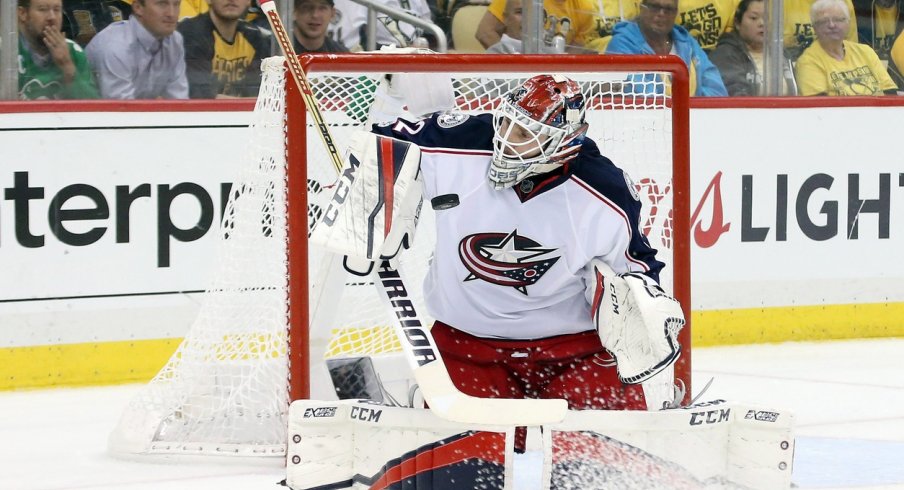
(451,119)
(631,187)
(505,259)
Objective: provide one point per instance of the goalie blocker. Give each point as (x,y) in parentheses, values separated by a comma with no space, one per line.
(350,444)
(365,219)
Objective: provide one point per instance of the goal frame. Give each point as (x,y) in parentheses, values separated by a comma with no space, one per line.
(299,382)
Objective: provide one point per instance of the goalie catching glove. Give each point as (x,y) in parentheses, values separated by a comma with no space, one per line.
(636,320)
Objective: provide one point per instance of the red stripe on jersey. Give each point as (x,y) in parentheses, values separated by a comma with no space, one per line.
(620,212)
(388,170)
(597,293)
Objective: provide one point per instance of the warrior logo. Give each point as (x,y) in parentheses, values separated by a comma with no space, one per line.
(505,259)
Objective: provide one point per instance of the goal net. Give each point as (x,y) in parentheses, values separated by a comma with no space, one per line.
(277,310)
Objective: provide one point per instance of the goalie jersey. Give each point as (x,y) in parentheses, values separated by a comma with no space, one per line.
(511,264)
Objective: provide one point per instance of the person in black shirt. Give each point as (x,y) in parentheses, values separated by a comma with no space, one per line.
(311,21)
(223,52)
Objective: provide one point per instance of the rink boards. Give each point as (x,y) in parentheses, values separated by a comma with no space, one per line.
(107,224)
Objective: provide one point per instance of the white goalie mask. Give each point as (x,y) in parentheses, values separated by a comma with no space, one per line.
(538,127)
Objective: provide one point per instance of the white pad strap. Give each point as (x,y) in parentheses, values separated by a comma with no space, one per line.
(708,443)
(375,206)
(346,442)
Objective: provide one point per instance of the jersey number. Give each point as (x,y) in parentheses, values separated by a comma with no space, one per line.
(405,127)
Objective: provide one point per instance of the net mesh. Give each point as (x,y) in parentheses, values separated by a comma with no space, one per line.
(224,390)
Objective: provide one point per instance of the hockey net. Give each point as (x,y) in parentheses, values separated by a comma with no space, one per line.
(268,325)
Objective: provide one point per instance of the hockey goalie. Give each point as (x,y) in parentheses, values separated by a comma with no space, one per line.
(546,297)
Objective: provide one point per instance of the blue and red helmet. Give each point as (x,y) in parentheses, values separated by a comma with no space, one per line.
(538,127)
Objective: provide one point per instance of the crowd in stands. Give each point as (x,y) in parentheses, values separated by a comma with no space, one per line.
(204,49)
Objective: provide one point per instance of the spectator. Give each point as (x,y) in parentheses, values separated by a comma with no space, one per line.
(897,53)
(351,29)
(739,54)
(223,52)
(574,20)
(510,43)
(192,8)
(257,18)
(835,66)
(50,66)
(878,24)
(143,57)
(309,32)
(82,19)
(613,12)
(798,31)
(654,32)
(706,20)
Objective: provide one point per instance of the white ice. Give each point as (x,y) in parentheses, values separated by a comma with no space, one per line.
(848,397)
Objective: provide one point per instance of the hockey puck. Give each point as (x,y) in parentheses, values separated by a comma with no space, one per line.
(445,201)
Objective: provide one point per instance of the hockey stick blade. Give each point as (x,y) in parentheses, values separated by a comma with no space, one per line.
(440,393)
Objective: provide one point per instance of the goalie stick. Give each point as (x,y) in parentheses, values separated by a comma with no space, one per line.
(301,80)
(440,393)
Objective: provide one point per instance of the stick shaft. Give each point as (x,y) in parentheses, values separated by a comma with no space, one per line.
(301,80)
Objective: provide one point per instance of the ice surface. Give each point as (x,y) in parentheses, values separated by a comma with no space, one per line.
(848,397)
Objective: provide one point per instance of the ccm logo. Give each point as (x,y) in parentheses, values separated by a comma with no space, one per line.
(710,416)
(343,187)
(320,412)
(762,416)
(366,414)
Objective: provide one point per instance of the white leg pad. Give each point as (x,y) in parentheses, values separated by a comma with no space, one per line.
(320,450)
(350,444)
(708,443)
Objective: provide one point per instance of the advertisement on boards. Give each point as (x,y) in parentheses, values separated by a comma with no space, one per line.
(108,228)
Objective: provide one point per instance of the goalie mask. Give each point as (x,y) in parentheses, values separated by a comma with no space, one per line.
(538,127)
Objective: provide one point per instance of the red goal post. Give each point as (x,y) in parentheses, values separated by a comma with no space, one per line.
(277,309)
(301,143)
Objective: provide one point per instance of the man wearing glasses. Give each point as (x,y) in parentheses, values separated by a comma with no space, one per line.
(654,31)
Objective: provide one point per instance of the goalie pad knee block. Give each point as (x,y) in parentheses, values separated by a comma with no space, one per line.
(636,320)
(374,209)
(351,444)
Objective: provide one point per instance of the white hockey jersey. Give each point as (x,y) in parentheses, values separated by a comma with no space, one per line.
(511,263)
(349,24)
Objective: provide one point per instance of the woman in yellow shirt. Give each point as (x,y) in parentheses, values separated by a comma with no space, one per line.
(576,20)
(798,30)
(835,66)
